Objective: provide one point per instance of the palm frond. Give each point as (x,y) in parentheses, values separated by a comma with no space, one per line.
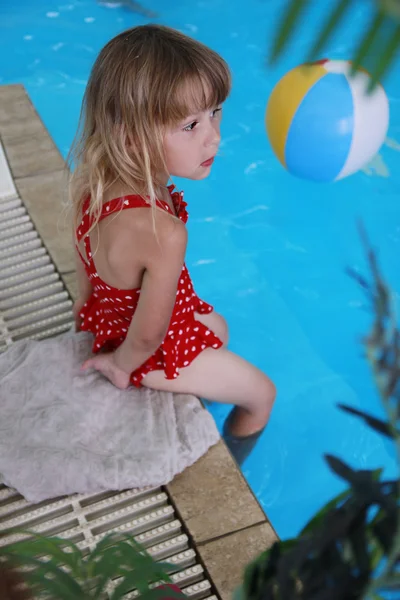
(290,21)
(58,568)
(376,44)
(331,25)
(368,40)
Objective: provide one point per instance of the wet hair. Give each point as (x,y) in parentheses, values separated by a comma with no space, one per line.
(144,81)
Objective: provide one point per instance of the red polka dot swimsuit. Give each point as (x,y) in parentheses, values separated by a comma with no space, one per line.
(109,311)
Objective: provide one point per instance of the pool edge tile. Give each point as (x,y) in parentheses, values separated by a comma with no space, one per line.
(225,559)
(213,497)
(71,284)
(42,181)
(44,196)
(18,118)
(7,187)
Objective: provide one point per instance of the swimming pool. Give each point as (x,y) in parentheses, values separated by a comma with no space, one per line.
(268,250)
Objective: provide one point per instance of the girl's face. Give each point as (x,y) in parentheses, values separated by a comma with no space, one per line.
(190,147)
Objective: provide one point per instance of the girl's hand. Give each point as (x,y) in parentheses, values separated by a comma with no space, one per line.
(105,364)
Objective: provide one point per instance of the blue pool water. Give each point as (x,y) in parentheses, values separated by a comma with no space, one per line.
(268,250)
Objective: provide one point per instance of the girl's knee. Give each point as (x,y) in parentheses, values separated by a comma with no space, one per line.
(270,389)
(265,393)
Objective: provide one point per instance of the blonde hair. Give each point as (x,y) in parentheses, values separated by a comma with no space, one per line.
(144,80)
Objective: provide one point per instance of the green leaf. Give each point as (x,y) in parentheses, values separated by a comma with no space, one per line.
(391,8)
(289,22)
(107,568)
(135,556)
(106,542)
(130,582)
(53,588)
(340,468)
(367,41)
(317,519)
(67,585)
(382,48)
(126,558)
(358,541)
(385,59)
(39,545)
(391,583)
(332,23)
(383,531)
(376,553)
(376,424)
(147,572)
(262,568)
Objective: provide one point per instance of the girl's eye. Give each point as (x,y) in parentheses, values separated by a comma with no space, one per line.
(191,126)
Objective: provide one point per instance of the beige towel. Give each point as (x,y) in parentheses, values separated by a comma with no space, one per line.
(63,431)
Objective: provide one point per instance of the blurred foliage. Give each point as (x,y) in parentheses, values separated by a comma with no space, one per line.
(55,568)
(377,46)
(351,548)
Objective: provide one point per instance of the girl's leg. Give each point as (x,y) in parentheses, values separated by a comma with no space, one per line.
(221,376)
(216,323)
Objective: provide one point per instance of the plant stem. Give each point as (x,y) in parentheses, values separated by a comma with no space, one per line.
(376,584)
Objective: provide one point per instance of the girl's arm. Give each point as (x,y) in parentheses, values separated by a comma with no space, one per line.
(163,258)
(152,317)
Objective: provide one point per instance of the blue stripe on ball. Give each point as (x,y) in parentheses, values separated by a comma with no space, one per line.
(320,134)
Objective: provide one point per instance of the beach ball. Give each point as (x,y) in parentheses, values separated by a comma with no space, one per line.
(322,124)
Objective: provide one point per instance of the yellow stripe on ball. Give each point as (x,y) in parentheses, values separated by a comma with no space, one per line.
(285,100)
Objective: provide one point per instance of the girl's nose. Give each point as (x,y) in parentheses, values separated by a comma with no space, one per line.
(214,137)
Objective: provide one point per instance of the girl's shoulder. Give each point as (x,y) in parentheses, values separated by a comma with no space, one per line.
(138,230)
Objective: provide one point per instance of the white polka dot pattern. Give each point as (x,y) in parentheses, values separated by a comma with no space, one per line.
(109,311)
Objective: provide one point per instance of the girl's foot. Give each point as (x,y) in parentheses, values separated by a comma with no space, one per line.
(240,445)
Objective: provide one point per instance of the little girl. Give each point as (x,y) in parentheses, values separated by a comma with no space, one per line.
(152,110)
